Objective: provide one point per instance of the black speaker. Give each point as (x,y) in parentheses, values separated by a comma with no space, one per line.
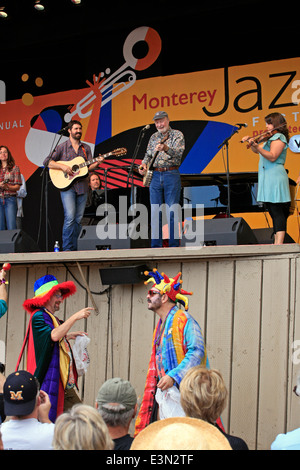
(123,275)
(228,231)
(265,236)
(225,231)
(119,239)
(17,241)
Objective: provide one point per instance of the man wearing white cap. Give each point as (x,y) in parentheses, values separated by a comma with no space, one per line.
(162,161)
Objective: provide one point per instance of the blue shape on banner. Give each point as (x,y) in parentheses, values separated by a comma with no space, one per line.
(206,147)
(52,120)
(104,124)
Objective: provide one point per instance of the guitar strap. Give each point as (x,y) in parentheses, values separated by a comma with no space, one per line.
(156,153)
(84,151)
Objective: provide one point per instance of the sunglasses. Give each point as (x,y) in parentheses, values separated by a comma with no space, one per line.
(152,292)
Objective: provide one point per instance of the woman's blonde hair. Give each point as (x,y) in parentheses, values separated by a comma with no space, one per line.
(203,394)
(81,428)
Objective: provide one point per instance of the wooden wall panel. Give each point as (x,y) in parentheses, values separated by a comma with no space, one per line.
(294,349)
(248,307)
(98,332)
(219,319)
(243,397)
(15,317)
(273,351)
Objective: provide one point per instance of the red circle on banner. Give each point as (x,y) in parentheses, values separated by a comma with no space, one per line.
(152,38)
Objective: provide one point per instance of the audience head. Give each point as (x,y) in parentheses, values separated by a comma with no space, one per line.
(81,428)
(203,394)
(117,402)
(20,394)
(180,433)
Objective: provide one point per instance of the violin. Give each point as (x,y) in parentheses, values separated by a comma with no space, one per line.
(263,137)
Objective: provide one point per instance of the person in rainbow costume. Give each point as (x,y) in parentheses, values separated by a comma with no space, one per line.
(49,354)
(177,343)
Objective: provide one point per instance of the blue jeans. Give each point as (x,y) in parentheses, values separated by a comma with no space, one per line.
(8,213)
(74,205)
(165,188)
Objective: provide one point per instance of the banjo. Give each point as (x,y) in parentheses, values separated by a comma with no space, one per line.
(149,170)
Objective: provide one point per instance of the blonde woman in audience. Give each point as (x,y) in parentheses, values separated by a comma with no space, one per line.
(81,428)
(203,395)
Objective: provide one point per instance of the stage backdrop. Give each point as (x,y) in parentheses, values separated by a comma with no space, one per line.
(208,106)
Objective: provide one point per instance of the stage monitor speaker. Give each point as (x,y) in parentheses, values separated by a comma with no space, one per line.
(88,239)
(123,275)
(17,241)
(265,236)
(228,231)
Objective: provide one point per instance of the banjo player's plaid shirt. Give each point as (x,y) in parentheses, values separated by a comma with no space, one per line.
(173,156)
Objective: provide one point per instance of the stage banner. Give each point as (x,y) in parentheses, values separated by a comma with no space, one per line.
(209,106)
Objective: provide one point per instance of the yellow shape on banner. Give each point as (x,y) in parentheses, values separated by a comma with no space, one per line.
(27,99)
(39,82)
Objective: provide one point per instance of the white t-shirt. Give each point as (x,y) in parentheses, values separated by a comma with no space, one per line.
(27,434)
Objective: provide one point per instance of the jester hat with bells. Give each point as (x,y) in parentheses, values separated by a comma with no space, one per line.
(169,286)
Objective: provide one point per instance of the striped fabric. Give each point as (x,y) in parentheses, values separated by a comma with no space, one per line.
(182,348)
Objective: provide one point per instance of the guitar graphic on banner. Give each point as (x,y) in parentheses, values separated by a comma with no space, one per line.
(48,123)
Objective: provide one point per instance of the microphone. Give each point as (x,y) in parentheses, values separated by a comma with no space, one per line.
(145,128)
(64,129)
(242,125)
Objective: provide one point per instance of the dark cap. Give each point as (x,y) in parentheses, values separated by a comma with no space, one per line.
(20,393)
(160,115)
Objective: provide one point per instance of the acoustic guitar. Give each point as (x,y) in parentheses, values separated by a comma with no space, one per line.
(79,166)
(149,171)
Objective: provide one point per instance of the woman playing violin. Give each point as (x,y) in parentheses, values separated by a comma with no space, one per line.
(273,182)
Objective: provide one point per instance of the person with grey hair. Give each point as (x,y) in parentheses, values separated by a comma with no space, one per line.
(160,171)
(117,404)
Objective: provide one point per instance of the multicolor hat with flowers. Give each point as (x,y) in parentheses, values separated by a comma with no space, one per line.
(170,286)
(44,288)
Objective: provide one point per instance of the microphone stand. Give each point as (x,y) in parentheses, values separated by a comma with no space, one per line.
(226,143)
(46,173)
(105,187)
(130,173)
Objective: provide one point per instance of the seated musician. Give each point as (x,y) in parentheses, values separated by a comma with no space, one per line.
(95,197)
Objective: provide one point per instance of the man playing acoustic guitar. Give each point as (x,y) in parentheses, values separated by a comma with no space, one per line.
(74,198)
(160,168)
